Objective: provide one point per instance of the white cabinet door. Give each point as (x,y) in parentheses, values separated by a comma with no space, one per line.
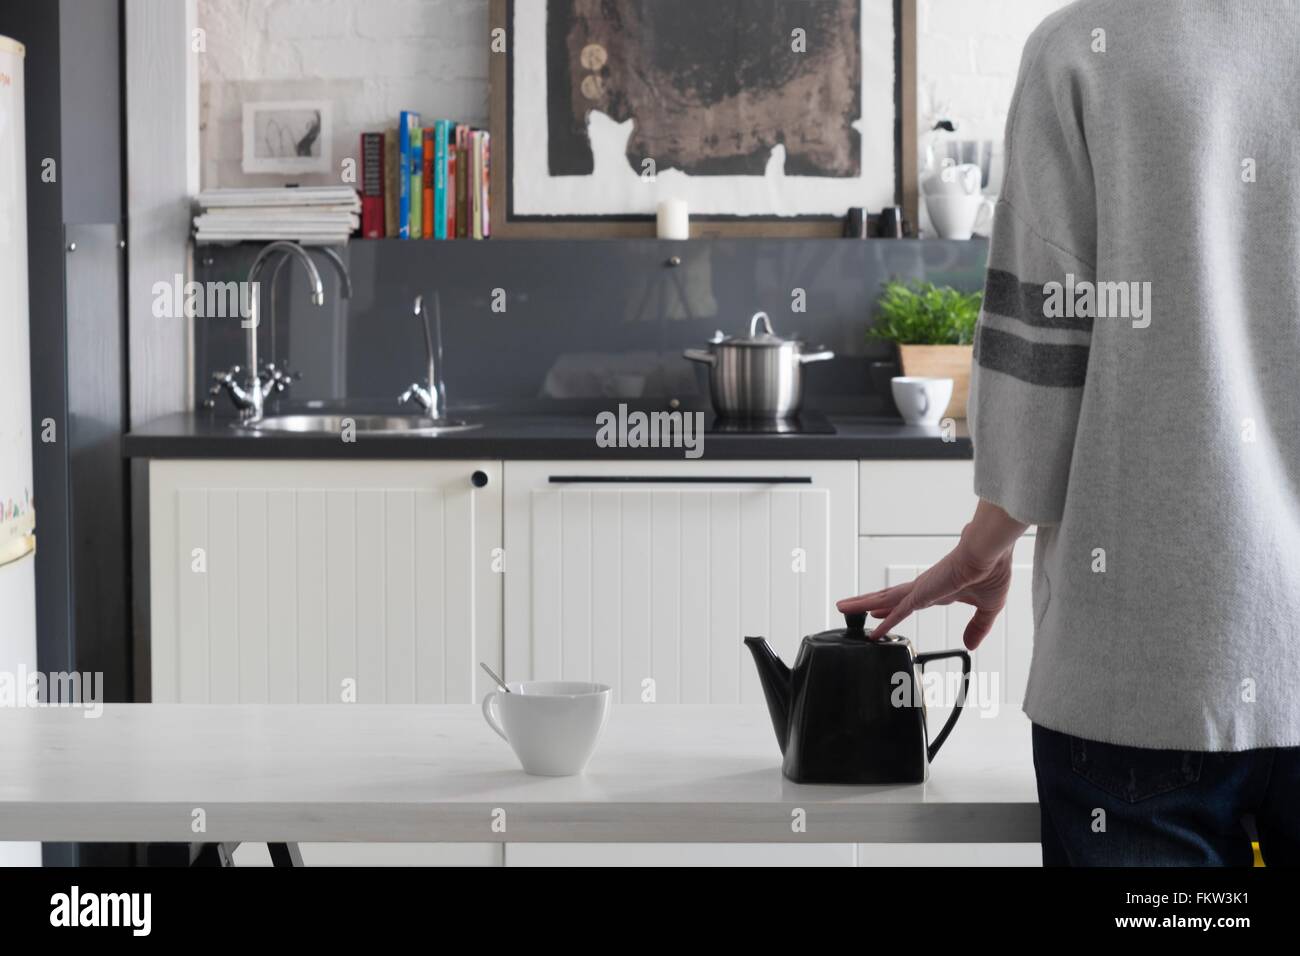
(647,575)
(323,582)
(302,581)
(650,585)
(1000,668)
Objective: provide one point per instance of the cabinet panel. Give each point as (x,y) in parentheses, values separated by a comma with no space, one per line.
(188,553)
(282,581)
(253,511)
(281,587)
(340,587)
(916,497)
(1001,664)
(310,589)
(650,586)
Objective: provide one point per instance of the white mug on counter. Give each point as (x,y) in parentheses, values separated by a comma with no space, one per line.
(921,401)
(552,726)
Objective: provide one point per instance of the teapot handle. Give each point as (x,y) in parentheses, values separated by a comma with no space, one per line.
(922,660)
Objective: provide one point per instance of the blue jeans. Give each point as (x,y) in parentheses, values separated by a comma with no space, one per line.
(1106,805)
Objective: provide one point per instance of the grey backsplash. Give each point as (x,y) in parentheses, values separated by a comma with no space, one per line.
(582,320)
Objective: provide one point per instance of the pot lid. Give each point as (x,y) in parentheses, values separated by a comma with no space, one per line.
(756,339)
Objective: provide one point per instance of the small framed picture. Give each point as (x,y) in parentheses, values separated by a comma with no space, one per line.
(287,137)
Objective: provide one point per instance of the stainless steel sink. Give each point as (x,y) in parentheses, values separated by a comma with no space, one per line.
(415,425)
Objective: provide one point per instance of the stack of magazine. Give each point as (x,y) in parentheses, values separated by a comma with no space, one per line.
(312,215)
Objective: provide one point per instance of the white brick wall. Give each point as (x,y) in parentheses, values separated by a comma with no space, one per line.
(373,58)
(369,58)
(968,53)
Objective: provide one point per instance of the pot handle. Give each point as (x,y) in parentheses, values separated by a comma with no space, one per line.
(701,355)
(764,319)
(922,660)
(822,356)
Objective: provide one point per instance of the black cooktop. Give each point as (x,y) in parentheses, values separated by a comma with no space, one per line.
(805,423)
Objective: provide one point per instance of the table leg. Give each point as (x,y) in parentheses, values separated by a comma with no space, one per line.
(223,854)
(215,854)
(285,854)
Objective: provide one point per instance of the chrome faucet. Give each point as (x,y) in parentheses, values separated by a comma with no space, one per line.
(433,398)
(276,372)
(249,385)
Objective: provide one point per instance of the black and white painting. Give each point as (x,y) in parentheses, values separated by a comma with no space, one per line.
(287,137)
(744,108)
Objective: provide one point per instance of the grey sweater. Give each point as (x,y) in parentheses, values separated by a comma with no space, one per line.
(1152,429)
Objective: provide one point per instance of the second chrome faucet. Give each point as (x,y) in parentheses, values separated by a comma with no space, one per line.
(431,395)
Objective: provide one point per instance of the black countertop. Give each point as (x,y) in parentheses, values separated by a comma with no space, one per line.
(553,434)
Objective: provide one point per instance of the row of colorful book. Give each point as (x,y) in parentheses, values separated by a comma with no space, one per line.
(426,182)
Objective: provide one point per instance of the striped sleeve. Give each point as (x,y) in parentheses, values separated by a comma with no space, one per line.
(1031,361)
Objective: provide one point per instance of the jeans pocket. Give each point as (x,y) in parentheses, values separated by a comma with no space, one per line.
(1133,774)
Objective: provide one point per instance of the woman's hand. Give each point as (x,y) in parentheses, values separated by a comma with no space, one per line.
(976,572)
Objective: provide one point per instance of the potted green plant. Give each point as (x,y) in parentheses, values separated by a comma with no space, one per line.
(934,330)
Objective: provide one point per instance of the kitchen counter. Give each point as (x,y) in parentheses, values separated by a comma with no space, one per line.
(397,773)
(539,436)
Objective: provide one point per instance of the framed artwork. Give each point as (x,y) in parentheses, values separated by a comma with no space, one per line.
(768,117)
(287,137)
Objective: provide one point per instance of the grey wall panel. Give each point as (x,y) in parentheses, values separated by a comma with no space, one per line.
(99,553)
(91,117)
(526,319)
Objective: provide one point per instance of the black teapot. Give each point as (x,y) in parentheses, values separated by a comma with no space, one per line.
(850,711)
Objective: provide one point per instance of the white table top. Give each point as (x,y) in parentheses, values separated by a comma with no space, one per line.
(439,774)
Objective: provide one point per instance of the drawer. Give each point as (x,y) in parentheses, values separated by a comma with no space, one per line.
(915,497)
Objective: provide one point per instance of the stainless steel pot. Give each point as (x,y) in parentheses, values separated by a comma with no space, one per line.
(759,376)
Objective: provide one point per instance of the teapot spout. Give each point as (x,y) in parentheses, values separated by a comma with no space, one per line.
(775,678)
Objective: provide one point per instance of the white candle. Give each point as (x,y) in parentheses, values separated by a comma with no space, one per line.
(674,220)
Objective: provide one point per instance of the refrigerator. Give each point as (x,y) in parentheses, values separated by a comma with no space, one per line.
(17,507)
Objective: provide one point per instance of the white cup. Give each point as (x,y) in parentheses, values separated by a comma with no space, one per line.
(956,217)
(552,726)
(921,401)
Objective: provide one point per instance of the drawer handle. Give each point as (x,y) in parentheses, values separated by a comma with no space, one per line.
(479,479)
(678,480)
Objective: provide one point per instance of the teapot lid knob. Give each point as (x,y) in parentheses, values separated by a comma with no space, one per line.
(855,625)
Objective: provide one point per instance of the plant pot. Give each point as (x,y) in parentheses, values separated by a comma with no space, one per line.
(941,361)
